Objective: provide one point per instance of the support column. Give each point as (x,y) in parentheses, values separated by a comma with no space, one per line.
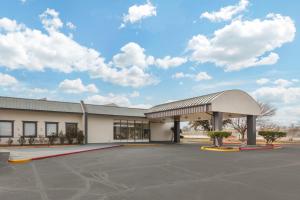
(217,121)
(251,130)
(177,129)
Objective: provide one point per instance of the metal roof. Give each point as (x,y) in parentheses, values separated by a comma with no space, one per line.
(67,107)
(192,102)
(39,105)
(114,110)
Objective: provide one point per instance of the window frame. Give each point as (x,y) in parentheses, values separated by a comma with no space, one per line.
(46,123)
(30,136)
(12,128)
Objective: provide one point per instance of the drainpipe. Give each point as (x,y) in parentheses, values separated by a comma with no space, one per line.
(85,120)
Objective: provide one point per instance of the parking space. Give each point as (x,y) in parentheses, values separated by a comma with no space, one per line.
(157,172)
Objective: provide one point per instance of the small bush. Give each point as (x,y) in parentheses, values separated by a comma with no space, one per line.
(10,141)
(22,140)
(71,135)
(271,136)
(52,139)
(31,141)
(80,137)
(217,137)
(62,137)
(41,139)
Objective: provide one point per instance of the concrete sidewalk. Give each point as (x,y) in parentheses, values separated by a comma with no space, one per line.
(31,153)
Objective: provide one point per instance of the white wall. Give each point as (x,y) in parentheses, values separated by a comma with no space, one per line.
(18,116)
(100,129)
(161,131)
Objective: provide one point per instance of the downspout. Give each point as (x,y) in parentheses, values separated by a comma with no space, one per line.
(85,121)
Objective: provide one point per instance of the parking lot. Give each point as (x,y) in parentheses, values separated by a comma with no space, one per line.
(156,173)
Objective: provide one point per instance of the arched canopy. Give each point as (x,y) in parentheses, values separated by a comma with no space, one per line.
(232,102)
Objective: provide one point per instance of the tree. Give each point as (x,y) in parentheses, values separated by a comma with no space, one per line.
(266,111)
(206,125)
(271,136)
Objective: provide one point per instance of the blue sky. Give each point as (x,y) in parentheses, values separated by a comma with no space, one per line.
(141,53)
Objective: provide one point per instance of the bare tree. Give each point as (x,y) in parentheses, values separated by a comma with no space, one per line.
(266,111)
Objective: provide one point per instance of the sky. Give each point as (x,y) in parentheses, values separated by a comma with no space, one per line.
(142,53)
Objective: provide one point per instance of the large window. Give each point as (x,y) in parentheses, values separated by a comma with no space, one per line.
(131,130)
(51,128)
(6,128)
(29,129)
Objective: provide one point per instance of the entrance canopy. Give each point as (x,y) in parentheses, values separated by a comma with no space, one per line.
(232,103)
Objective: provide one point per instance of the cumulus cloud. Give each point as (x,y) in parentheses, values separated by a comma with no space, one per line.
(132,54)
(226,13)
(7,80)
(262,81)
(76,86)
(283,82)
(25,48)
(138,12)
(169,61)
(120,100)
(202,76)
(198,77)
(71,26)
(244,43)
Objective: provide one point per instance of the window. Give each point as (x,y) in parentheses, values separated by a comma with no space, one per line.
(131,130)
(6,128)
(51,128)
(29,129)
(71,128)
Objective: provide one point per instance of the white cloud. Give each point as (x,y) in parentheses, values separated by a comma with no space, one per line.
(278,94)
(169,61)
(202,76)
(244,43)
(119,100)
(71,26)
(283,82)
(262,81)
(50,19)
(76,86)
(31,49)
(138,12)
(134,94)
(198,77)
(226,13)
(7,80)
(132,55)
(178,75)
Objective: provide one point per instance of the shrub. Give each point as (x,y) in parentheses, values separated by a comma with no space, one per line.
(22,140)
(217,137)
(271,136)
(41,139)
(71,134)
(52,138)
(80,137)
(62,137)
(10,141)
(31,141)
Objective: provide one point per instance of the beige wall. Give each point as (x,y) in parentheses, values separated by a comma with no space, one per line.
(161,131)
(19,116)
(100,128)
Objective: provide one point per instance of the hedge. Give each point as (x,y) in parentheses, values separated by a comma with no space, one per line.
(271,136)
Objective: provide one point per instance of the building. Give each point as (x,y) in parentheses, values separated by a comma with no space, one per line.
(111,123)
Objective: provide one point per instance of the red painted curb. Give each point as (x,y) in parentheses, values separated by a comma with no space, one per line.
(258,148)
(75,152)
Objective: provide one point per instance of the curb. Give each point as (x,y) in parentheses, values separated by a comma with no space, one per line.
(205,148)
(58,155)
